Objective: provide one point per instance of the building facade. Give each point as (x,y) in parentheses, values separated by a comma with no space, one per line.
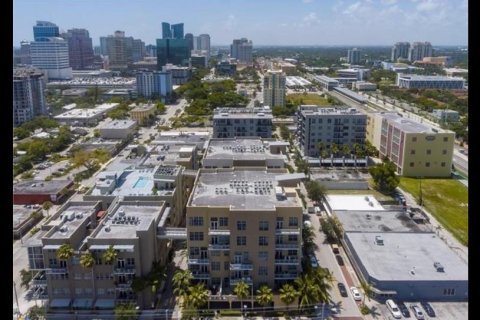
(118,48)
(138,50)
(225,209)
(25,57)
(241,122)
(429,82)
(446,115)
(172,51)
(45,29)
(400,50)
(117,129)
(340,126)
(353,56)
(142,112)
(274,91)
(419,50)
(80,49)
(51,55)
(190,39)
(28,95)
(180,75)
(241,49)
(151,84)
(225,68)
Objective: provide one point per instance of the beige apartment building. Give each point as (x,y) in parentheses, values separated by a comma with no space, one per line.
(142,112)
(417,149)
(244,225)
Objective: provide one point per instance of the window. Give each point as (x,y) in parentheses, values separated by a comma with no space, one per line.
(196,236)
(293,238)
(262,271)
(429,151)
(101,291)
(263,255)
(194,251)
(414,139)
(412,152)
(196,221)
(444,151)
(98,260)
(52,262)
(448,292)
(263,241)
(241,225)
(77,276)
(88,291)
(412,164)
(78,291)
(131,261)
(445,139)
(293,222)
(214,253)
(263,226)
(329,120)
(427,164)
(226,265)
(223,222)
(215,265)
(443,164)
(241,241)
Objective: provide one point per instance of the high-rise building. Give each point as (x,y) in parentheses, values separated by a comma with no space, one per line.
(151,50)
(274,88)
(353,56)
(80,49)
(166,31)
(190,38)
(329,125)
(25,57)
(419,50)
(180,75)
(45,29)
(400,50)
(51,55)
(138,50)
(28,95)
(174,51)
(177,31)
(121,50)
(203,43)
(154,84)
(241,49)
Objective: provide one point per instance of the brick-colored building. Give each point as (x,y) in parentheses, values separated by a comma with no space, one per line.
(37,192)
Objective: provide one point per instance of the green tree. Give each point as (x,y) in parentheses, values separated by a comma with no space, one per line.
(321,148)
(334,149)
(197,297)
(36,313)
(332,228)
(84,158)
(65,252)
(315,190)
(288,294)
(96,133)
(181,282)
(308,237)
(367,290)
(384,176)
(323,280)
(110,255)
(264,296)
(25,276)
(241,290)
(126,311)
(307,291)
(47,205)
(86,260)
(346,149)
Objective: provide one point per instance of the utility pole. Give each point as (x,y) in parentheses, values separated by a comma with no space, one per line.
(16,297)
(420,193)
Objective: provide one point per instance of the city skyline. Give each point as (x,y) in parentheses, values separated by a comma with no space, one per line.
(291,22)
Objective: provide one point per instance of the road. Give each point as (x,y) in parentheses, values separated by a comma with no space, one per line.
(460,160)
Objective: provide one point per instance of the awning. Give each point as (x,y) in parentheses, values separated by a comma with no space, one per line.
(100,214)
(105,304)
(52,247)
(124,247)
(82,303)
(99,247)
(60,303)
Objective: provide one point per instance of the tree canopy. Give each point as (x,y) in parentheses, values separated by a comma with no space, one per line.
(384,176)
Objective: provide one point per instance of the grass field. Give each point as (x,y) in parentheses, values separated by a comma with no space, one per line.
(308,99)
(446,200)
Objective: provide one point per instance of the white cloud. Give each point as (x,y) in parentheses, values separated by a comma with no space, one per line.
(337,6)
(428,5)
(351,9)
(389,2)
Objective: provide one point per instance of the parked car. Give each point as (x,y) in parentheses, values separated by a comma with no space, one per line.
(339,260)
(403,309)
(428,309)
(356,294)
(417,312)
(313,261)
(342,289)
(392,306)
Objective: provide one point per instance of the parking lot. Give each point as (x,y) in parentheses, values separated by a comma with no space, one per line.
(443,310)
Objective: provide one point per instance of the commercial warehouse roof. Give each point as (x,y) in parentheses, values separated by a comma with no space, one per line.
(353,202)
(40,187)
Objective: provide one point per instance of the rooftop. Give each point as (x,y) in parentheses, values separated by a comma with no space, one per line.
(21,214)
(142,107)
(129,217)
(40,187)
(237,148)
(428,78)
(401,254)
(260,113)
(353,202)
(315,110)
(238,189)
(70,219)
(200,138)
(297,81)
(130,182)
(117,124)
(87,113)
(411,126)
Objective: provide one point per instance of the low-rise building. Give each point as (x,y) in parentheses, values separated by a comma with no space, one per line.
(180,75)
(429,82)
(225,68)
(242,122)
(245,152)
(327,82)
(85,117)
(358,73)
(452,72)
(74,92)
(446,115)
(24,219)
(38,192)
(117,129)
(365,86)
(142,112)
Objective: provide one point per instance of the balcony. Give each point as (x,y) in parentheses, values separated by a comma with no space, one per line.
(130,270)
(38,282)
(198,261)
(287,261)
(55,270)
(218,247)
(218,232)
(285,276)
(201,275)
(247,280)
(287,232)
(241,266)
(287,246)
(123,285)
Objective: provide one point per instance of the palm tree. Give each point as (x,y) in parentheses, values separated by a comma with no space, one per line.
(288,294)
(46,206)
(323,280)
(88,262)
(367,290)
(241,290)
(126,311)
(307,290)
(65,252)
(197,297)
(334,149)
(346,149)
(110,255)
(181,282)
(264,296)
(155,278)
(321,148)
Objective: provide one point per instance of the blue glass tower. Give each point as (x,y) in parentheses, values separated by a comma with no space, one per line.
(177,31)
(166,31)
(45,29)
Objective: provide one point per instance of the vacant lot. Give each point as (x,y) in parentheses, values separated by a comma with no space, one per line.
(308,99)
(446,199)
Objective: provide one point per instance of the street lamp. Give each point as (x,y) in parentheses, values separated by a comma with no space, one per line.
(244,310)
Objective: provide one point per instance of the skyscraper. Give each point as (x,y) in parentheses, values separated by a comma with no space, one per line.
(25,57)
(241,49)
(204,43)
(274,89)
(138,50)
(174,51)
(419,50)
(166,31)
(400,50)
(353,56)
(122,50)
(189,37)
(51,56)
(28,95)
(80,49)
(177,31)
(45,29)
(156,84)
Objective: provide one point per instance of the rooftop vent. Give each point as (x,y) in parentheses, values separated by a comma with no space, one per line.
(63,229)
(121,212)
(379,240)
(438,266)
(107,229)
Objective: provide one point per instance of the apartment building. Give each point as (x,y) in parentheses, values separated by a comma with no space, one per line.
(429,82)
(274,90)
(242,122)
(117,129)
(143,111)
(244,225)
(417,149)
(329,125)
(245,152)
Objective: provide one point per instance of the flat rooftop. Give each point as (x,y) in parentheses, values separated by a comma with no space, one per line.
(200,138)
(130,182)
(337,175)
(142,107)
(378,221)
(21,214)
(40,187)
(411,126)
(126,220)
(239,113)
(429,78)
(117,124)
(240,149)
(325,79)
(166,154)
(401,253)
(247,190)
(87,113)
(353,202)
(323,111)
(69,220)
(297,81)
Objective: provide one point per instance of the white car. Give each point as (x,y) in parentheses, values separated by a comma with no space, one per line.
(356,294)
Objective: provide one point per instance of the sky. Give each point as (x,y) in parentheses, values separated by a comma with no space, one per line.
(265,22)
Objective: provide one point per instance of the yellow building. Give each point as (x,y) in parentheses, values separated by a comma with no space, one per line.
(143,111)
(417,149)
(244,225)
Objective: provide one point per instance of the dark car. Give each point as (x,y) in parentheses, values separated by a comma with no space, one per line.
(403,309)
(428,308)
(339,259)
(342,289)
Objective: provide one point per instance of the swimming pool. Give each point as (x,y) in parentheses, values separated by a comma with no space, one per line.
(141,183)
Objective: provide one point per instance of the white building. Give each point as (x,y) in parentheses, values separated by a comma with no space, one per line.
(446,115)
(51,55)
(241,49)
(365,86)
(152,84)
(353,56)
(85,117)
(326,82)
(28,95)
(242,122)
(358,73)
(117,129)
(419,50)
(274,88)
(429,82)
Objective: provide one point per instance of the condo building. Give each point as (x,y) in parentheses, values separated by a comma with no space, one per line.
(274,88)
(242,122)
